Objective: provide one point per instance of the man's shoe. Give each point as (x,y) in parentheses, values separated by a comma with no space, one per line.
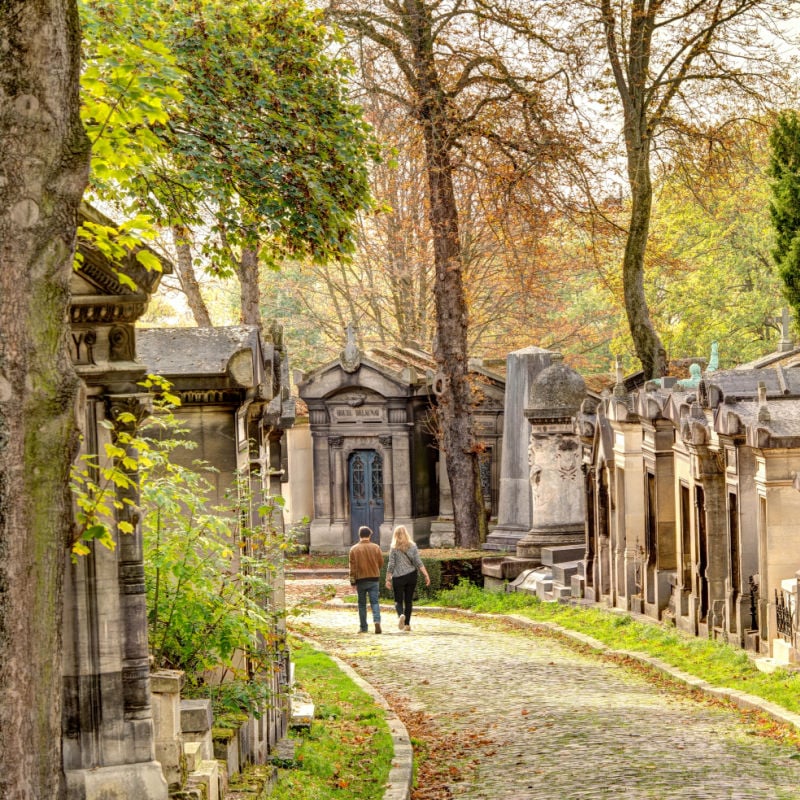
(377,627)
(401,621)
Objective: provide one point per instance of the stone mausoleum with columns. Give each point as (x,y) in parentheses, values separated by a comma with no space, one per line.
(375,457)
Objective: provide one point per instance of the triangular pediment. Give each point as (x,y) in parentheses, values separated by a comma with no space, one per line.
(332,378)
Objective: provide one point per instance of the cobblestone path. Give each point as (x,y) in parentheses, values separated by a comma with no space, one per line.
(551,722)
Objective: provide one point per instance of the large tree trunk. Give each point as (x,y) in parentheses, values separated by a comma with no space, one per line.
(648,345)
(455,400)
(188,279)
(248,281)
(43,163)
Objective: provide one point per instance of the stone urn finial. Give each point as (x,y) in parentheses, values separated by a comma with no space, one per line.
(557,391)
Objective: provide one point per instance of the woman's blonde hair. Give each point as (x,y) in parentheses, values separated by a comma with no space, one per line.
(401,538)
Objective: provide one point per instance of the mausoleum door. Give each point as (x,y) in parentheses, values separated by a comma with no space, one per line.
(365,483)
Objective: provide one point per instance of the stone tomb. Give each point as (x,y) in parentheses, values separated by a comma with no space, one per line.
(108,746)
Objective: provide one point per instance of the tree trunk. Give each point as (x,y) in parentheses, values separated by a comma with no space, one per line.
(648,345)
(44,163)
(188,279)
(248,282)
(455,400)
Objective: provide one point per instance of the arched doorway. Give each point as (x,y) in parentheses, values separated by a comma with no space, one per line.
(365,472)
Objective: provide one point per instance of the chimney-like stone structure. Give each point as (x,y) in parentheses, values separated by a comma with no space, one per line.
(514,517)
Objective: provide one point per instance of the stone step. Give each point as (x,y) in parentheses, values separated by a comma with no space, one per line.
(562,573)
(578,586)
(562,554)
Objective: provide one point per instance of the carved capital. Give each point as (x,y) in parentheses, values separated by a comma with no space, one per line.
(138,405)
(335,442)
(385,441)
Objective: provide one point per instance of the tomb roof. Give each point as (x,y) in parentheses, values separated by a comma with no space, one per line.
(195,351)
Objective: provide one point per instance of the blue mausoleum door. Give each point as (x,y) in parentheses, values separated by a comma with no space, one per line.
(366,492)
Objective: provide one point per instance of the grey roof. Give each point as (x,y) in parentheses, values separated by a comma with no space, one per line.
(744,383)
(193,351)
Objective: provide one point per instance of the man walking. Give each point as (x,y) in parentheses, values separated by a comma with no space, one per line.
(366,560)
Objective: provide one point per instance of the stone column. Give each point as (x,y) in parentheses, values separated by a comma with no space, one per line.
(514,513)
(339,478)
(443,529)
(387,525)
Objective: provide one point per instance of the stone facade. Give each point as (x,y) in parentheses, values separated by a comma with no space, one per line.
(119,743)
(375,461)
(107,733)
(692,500)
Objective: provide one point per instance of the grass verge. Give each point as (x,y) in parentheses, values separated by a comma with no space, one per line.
(716,662)
(348,751)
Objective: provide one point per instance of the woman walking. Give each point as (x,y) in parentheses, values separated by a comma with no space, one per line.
(401,574)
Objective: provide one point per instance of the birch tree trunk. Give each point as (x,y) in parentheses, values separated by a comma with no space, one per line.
(43,172)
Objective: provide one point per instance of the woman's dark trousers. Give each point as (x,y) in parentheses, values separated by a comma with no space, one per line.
(403,587)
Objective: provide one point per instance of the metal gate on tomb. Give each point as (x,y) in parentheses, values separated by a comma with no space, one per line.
(366,492)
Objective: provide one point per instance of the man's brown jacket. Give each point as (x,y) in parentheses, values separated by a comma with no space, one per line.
(366,560)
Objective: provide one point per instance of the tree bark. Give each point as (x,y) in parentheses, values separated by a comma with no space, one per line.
(188,279)
(632,79)
(647,342)
(455,399)
(44,157)
(248,281)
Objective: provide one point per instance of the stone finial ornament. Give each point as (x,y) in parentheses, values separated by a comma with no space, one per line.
(763,408)
(350,357)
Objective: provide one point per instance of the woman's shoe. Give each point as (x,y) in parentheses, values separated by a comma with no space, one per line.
(407,628)
(401,621)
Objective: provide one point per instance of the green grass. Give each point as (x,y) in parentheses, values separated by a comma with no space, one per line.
(714,661)
(348,751)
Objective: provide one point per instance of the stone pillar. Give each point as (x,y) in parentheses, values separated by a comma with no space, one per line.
(443,529)
(339,487)
(555,461)
(387,526)
(108,735)
(514,513)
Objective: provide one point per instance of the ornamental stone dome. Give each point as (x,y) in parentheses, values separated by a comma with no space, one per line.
(557,391)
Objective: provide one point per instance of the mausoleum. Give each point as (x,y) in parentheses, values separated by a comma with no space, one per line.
(375,457)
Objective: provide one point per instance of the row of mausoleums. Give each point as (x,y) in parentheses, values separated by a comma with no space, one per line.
(692,502)
(375,459)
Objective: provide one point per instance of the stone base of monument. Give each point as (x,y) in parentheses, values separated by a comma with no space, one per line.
(329,537)
(504,539)
(533,544)
(443,533)
(498,571)
(127,782)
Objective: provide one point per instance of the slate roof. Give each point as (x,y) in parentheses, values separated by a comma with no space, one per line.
(743,383)
(193,351)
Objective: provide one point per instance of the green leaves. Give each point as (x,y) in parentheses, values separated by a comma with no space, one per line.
(784,209)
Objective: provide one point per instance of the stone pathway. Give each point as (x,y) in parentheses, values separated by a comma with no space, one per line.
(550,722)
